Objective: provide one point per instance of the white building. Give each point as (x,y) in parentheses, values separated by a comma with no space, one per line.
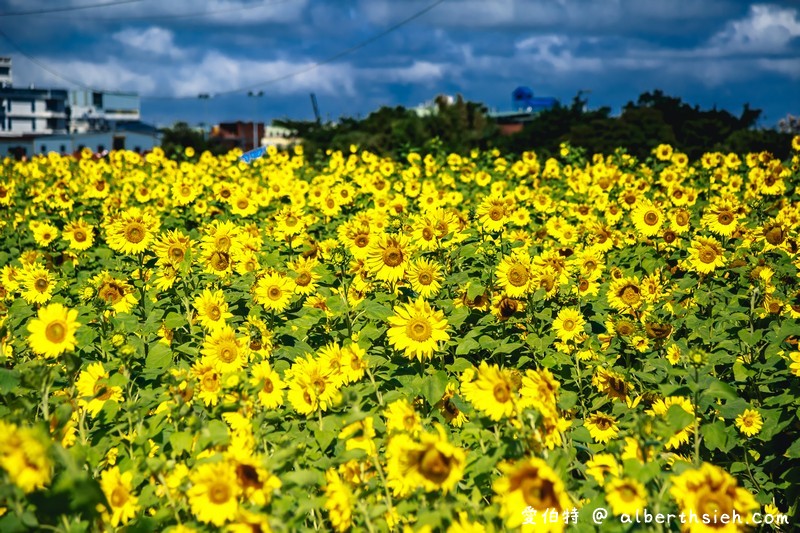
(99,111)
(32,111)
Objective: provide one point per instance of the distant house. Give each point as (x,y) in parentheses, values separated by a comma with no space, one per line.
(525,106)
(35,120)
(244,135)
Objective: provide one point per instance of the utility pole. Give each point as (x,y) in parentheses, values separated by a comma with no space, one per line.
(255,95)
(205,97)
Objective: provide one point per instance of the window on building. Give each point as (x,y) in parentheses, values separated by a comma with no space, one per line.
(33,105)
(97,100)
(63,148)
(44,148)
(100,148)
(137,149)
(33,124)
(119,142)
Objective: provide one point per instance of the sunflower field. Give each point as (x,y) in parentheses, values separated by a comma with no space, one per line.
(448,342)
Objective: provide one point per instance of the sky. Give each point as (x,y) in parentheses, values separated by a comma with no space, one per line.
(359,55)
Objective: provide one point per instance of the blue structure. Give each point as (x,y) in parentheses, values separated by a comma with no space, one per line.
(522,99)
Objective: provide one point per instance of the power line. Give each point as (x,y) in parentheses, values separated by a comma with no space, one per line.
(318,64)
(196,14)
(71,8)
(289,75)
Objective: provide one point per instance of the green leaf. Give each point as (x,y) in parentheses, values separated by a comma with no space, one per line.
(158,359)
(567,400)
(793,452)
(715,436)
(718,389)
(677,418)
(434,386)
(466,346)
(750,338)
(174,320)
(8,380)
(181,441)
(475,290)
(375,311)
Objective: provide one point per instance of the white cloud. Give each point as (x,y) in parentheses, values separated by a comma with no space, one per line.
(153,40)
(766,29)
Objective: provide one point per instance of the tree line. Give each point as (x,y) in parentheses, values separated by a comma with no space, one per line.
(459,126)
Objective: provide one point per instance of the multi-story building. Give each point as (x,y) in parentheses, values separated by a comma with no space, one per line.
(33,111)
(101,111)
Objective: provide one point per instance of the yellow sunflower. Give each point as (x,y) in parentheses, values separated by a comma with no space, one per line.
(626,496)
(660,408)
(425,277)
(24,455)
(401,416)
(227,352)
(706,255)
(79,235)
(647,218)
(531,483)
(625,294)
(212,310)
(37,284)
(93,389)
(430,463)
(269,383)
(53,331)
(749,422)
(118,490)
(214,493)
(44,233)
(339,501)
(514,275)
(602,465)
(132,232)
(417,329)
(274,291)
(172,247)
(569,324)
(493,392)
(305,277)
(388,257)
(602,427)
(710,490)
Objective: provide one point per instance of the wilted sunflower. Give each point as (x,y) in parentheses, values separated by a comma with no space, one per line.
(388,257)
(53,331)
(214,493)
(531,483)
(132,231)
(417,329)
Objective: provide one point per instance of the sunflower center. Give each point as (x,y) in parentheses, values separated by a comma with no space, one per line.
(242,203)
(427,233)
(669,236)
(222,243)
(219,261)
(435,466)
(538,493)
(496,213)
(303,279)
(248,476)
(274,293)
(228,353)
(361,240)
(568,324)
(319,385)
(111,293)
(626,493)
(268,386)
(101,392)
(725,218)
(56,331)
(392,256)
(707,255)
(425,278)
(176,253)
(518,275)
(211,381)
(41,284)
(501,392)
(118,496)
(583,285)
(79,235)
(682,218)
(651,218)
(219,493)
(419,329)
(134,232)
(602,423)
(774,235)
(630,295)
